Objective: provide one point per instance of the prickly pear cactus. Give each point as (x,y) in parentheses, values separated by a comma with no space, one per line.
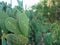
(16,39)
(11,25)
(23,23)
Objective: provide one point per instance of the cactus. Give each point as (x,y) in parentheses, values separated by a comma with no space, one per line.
(3,16)
(16,39)
(23,23)
(11,25)
(4,41)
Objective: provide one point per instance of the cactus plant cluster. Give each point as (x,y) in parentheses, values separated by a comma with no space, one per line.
(38,26)
(13,27)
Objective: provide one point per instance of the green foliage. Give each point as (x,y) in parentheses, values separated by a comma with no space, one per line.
(14,26)
(48,39)
(38,26)
(16,39)
(11,25)
(20,2)
(45,22)
(23,23)
(4,41)
(3,16)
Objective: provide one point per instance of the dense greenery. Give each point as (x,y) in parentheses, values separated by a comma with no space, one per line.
(45,23)
(14,25)
(38,26)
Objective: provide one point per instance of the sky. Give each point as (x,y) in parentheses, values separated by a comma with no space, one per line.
(27,3)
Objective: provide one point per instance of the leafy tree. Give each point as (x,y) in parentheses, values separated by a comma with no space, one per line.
(44,22)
